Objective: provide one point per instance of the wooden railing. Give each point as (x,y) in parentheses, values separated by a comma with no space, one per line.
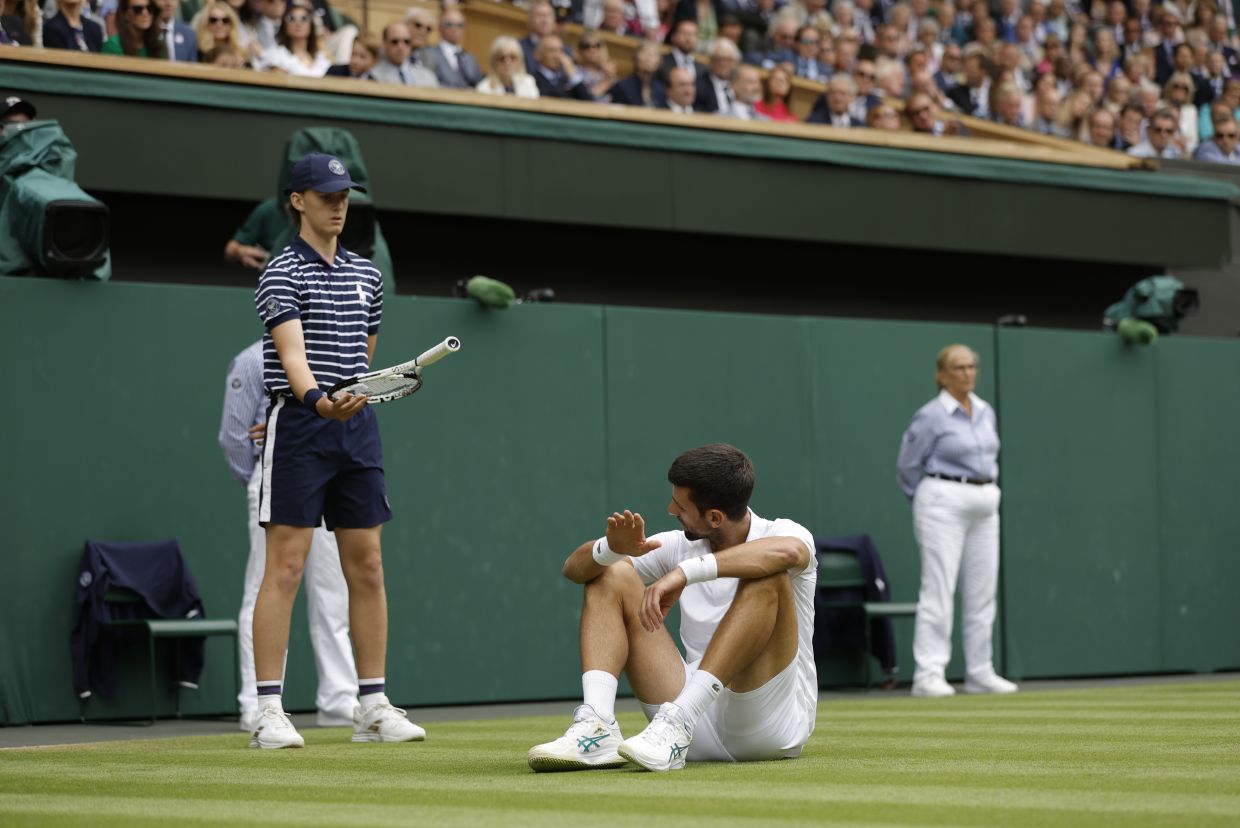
(1006,142)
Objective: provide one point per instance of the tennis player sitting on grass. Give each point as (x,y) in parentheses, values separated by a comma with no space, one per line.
(746,590)
(322,459)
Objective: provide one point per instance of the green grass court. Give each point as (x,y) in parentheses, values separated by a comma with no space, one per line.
(1164,754)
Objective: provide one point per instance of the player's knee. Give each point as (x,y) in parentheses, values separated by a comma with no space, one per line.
(617,578)
(767,589)
(364,571)
(285,573)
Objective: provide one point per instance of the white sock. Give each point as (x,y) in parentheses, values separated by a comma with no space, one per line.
(700,692)
(371,691)
(598,689)
(270,699)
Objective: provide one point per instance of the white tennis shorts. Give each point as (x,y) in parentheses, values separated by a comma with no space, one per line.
(771,722)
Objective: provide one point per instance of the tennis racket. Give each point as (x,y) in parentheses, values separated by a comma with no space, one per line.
(396,382)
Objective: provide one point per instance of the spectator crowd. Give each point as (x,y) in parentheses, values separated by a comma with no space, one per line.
(1150,79)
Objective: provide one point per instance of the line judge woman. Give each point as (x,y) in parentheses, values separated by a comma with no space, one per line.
(948,466)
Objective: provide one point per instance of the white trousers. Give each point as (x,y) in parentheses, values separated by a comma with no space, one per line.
(957,528)
(327,605)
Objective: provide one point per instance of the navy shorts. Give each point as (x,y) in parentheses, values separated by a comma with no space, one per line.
(316,469)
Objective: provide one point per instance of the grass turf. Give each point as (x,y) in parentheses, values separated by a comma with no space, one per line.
(1165,754)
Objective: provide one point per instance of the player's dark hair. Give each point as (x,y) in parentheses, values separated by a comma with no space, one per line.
(718,476)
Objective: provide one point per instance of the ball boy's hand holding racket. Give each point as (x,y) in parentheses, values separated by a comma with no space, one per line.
(396,382)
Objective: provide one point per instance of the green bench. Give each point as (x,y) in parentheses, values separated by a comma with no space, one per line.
(174,628)
(838,569)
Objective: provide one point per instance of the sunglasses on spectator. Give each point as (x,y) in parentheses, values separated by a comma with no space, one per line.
(1163,130)
(404,40)
(808,40)
(297,18)
(1230,136)
(422,27)
(143,9)
(594,44)
(866,75)
(223,21)
(452,24)
(502,57)
(1182,87)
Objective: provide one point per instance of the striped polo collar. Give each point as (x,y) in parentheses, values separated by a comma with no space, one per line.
(308,254)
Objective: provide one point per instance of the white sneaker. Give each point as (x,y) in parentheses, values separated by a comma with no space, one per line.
(273,730)
(381,722)
(990,684)
(248,720)
(663,744)
(588,744)
(933,688)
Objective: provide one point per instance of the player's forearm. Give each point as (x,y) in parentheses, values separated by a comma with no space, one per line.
(762,558)
(370,349)
(291,347)
(580,567)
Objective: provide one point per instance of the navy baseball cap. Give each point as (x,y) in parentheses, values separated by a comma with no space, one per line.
(13,104)
(322,173)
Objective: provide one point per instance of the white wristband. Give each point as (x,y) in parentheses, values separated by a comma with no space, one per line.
(701,568)
(602,554)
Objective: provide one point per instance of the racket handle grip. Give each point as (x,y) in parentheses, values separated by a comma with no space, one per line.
(448,346)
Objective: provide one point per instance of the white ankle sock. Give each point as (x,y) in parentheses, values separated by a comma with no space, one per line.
(371,691)
(598,689)
(700,692)
(269,698)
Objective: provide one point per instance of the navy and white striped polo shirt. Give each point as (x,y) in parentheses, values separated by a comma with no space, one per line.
(339,306)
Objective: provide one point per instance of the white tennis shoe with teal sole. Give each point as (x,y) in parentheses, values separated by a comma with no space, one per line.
(588,744)
(663,744)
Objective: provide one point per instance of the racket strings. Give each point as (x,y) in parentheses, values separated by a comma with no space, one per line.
(376,387)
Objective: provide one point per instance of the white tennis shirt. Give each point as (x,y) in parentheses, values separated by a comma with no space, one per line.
(702,606)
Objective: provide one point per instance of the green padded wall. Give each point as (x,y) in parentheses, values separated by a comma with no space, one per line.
(1199,480)
(1120,467)
(1080,510)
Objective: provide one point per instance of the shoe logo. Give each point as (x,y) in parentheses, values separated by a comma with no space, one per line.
(588,743)
(676,751)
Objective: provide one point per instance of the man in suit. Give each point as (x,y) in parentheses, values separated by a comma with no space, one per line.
(748,90)
(783,41)
(397,65)
(642,88)
(681,90)
(540,23)
(179,38)
(684,40)
(67,29)
(451,63)
(1164,53)
(833,108)
(809,48)
(973,96)
(1218,43)
(714,86)
(556,74)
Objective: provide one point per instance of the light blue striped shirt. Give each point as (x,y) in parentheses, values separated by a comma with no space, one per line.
(943,439)
(245,405)
(339,306)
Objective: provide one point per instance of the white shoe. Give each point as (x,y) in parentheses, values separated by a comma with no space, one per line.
(273,730)
(663,744)
(990,684)
(933,688)
(381,722)
(588,744)
(248,720)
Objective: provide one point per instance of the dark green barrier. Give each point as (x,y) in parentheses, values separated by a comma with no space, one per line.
(1119,473)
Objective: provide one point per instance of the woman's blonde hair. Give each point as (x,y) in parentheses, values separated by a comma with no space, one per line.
(207,41)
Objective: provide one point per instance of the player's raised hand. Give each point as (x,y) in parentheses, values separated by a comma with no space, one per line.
(626,534)
(341,408)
